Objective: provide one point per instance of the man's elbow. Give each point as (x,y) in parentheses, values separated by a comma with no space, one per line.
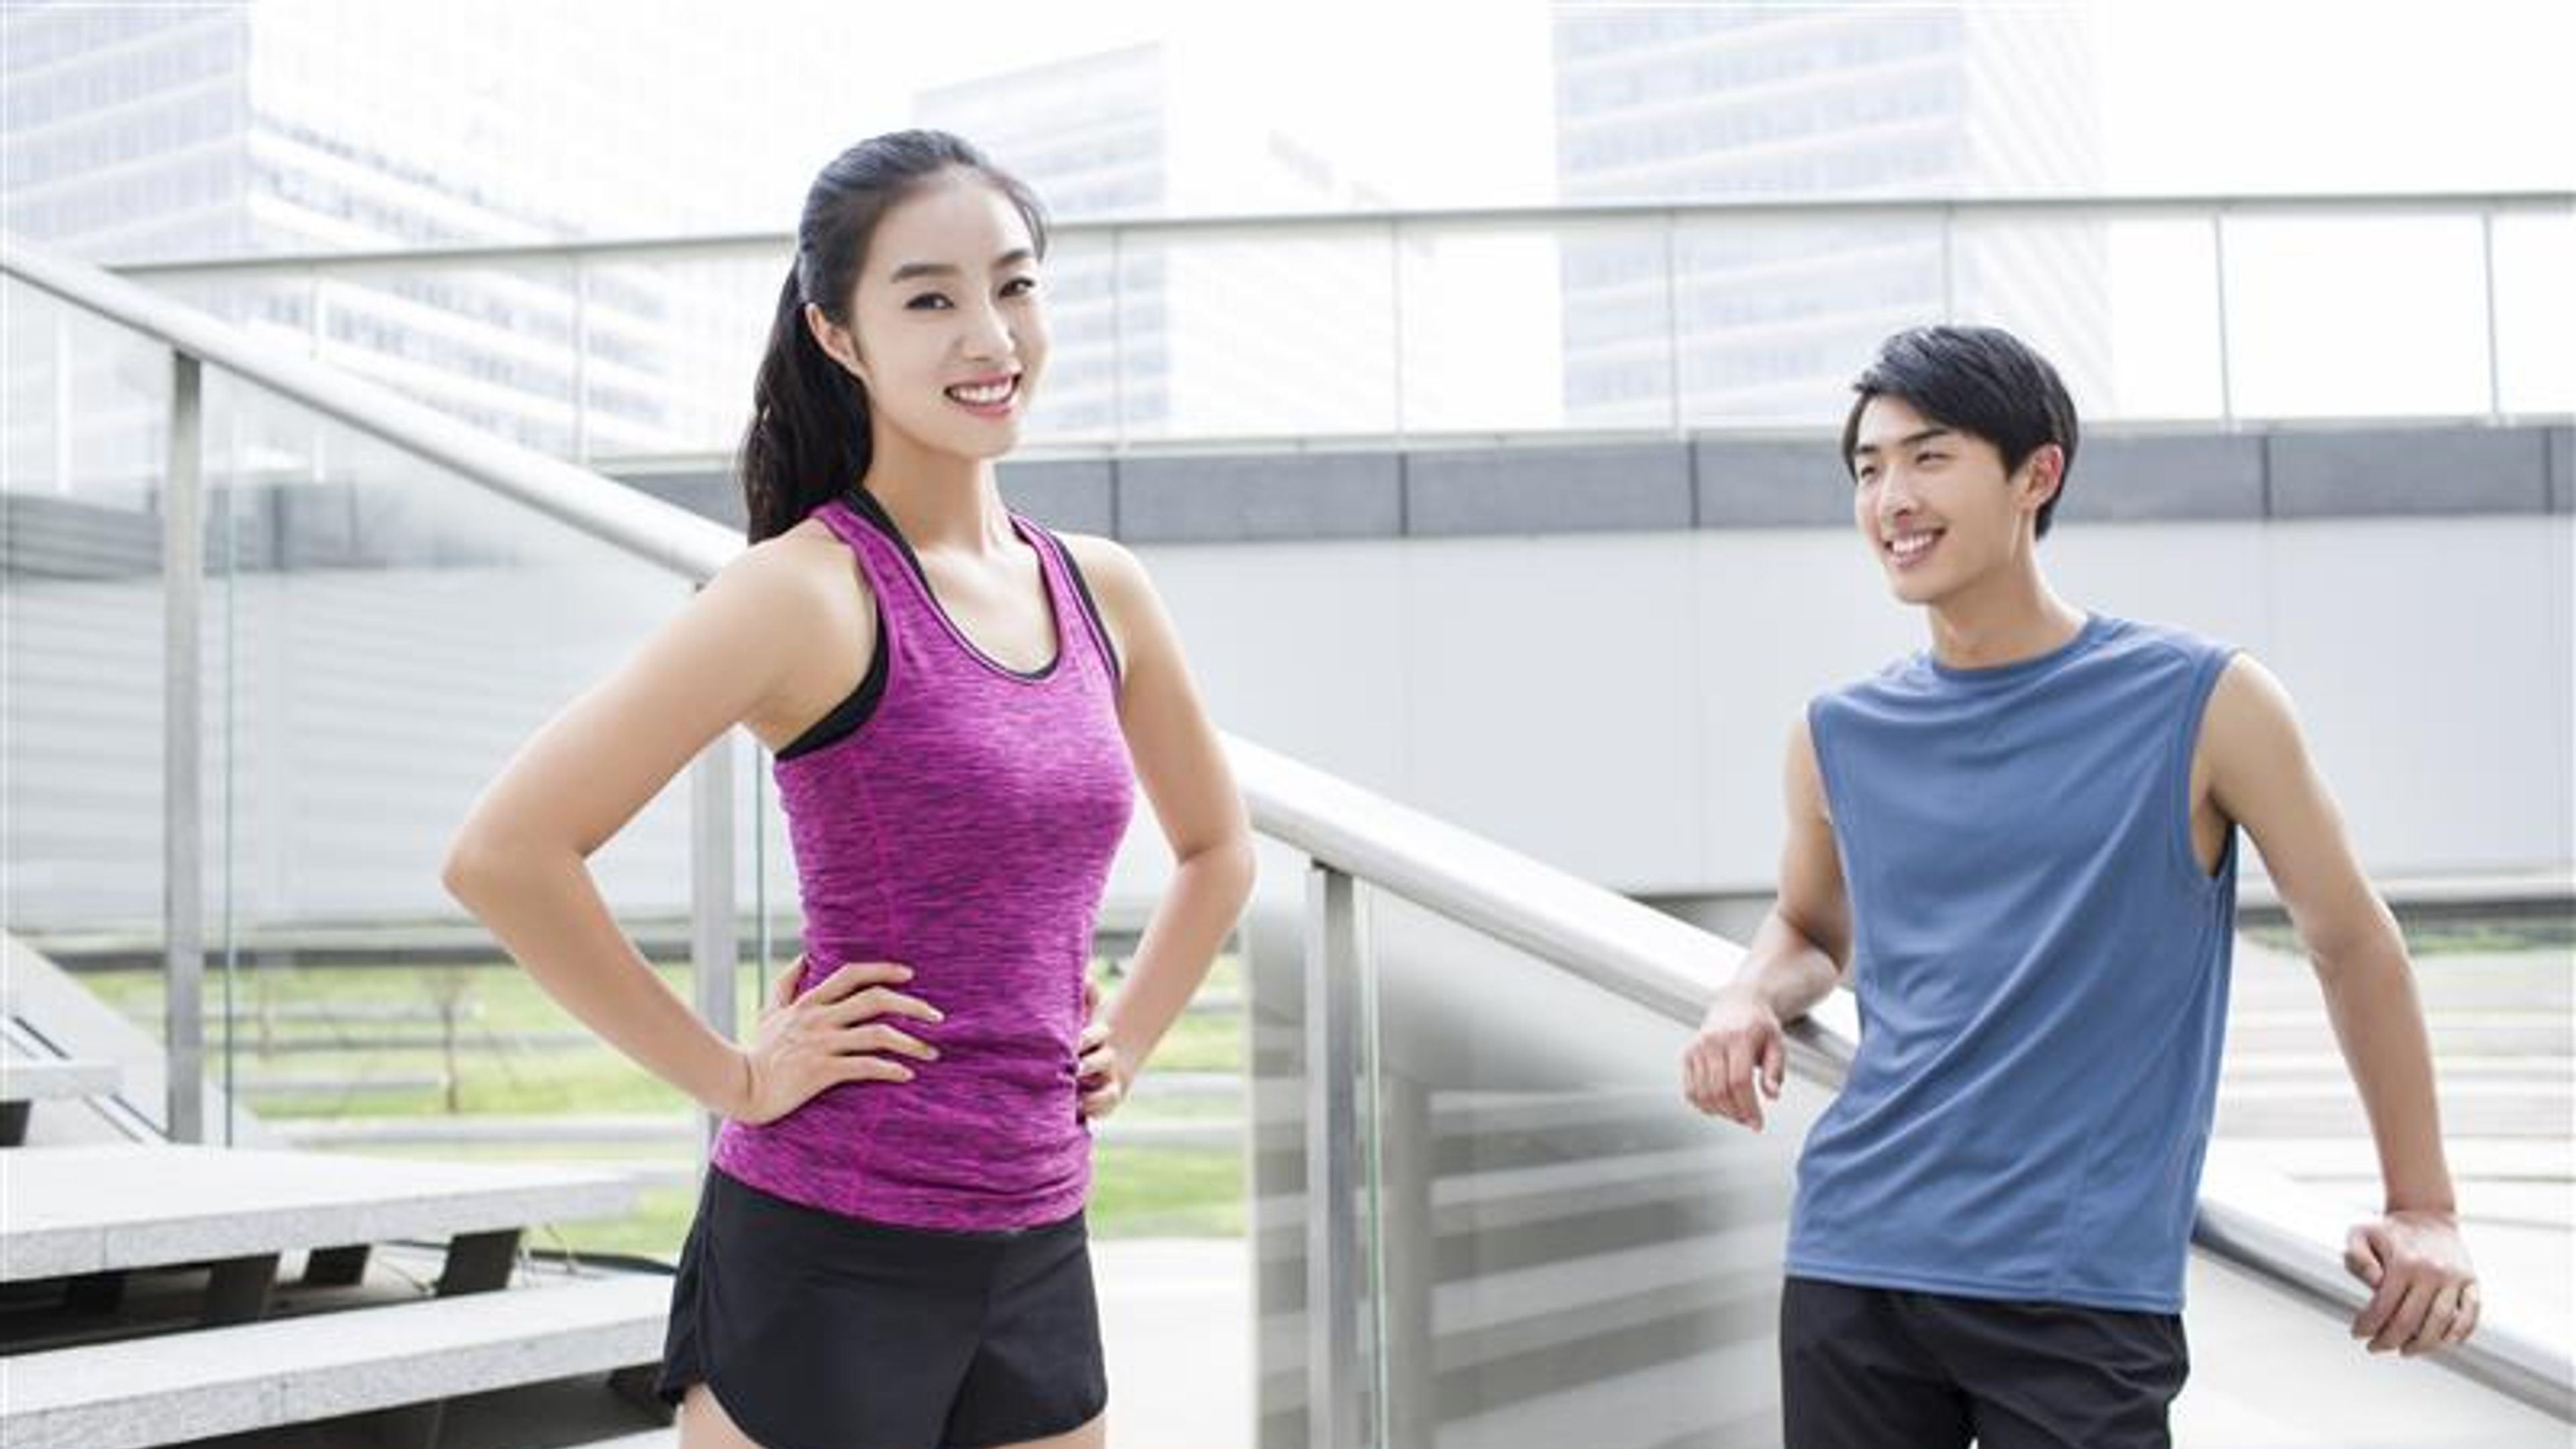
(2353,946)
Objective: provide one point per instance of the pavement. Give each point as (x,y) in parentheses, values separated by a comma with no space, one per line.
(1176,1319)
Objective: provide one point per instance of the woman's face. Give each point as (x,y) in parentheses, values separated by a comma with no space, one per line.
(949,337)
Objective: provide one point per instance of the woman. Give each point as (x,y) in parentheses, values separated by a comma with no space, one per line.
(889,1250)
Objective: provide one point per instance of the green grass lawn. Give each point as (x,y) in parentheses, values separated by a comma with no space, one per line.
(1139,1190)
(1135,1193)
(2457,937)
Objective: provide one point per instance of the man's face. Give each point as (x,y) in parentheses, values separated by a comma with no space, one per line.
(1936,505)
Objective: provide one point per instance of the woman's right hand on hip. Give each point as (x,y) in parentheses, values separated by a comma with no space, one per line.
(840,1031)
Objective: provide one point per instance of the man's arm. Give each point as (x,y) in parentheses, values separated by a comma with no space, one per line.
(2260,776)
(1797,955)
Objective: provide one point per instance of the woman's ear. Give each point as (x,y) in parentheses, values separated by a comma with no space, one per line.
(835,340)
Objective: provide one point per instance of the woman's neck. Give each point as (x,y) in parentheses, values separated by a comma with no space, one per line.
(940,501)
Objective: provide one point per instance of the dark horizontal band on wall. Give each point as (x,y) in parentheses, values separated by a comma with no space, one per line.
(1735,481)
(1521,488)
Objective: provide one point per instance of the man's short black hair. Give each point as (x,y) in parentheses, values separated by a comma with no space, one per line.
(1982,381)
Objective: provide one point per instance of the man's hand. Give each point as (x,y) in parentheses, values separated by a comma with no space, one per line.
(1739,1044)
(2424,1293)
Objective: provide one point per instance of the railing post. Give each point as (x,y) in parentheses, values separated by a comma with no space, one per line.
(317,323)
(1949,264)
(1332,1161)
(183,894)
(1673,321)
(581,361)
(1395,325)
(1404,1267)
(1117,341)
(2495,357)
(713,950)
(2226,378)
(63,402)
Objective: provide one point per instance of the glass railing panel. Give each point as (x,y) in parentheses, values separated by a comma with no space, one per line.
(1359,327)
(2535,298)
(287,310)
(1078,398)
(385,634)
(672,346)
(1564,1251)
(1614,290)
(1274,941)
(1247,335)
(83,653)
(1776,314)
(499,345)
(2271,1370)
(2051,281)
(2331,316)
(2162,336)
(1484,334)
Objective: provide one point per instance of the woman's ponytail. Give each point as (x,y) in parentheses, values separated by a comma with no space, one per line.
(808,439)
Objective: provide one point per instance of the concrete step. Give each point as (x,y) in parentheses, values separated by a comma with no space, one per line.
(2454,1035)
(182,1386)
(2485,984)
(2511,1112)
(24,1079)
(2500,1159)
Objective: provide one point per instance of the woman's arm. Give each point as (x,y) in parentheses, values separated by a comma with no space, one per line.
(519,861)
(1182,766)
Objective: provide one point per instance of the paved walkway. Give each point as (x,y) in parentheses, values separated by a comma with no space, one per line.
(1178,1313)
(1177,1317)
(2504,1054)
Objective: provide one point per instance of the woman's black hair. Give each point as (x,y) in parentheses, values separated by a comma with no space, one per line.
(1982,381)
(808,439)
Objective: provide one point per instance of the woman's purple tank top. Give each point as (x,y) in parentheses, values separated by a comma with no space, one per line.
(965,829)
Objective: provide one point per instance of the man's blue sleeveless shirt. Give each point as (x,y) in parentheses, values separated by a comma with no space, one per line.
(2041,968)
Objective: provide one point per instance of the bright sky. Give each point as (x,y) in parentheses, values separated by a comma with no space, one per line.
(1451,103)
(1453,100)
(2300,95)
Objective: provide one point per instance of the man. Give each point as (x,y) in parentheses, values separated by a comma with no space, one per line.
(2018,850)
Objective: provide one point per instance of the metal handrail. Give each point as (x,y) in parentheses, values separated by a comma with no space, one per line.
(2260,1224)
(663,534)
(1121,236)
(2143,205)
(2249,1218)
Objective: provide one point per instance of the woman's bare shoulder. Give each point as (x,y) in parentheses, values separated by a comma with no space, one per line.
(807,566)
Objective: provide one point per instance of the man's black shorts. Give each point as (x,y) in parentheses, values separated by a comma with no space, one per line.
(1867,1368)
(816,1330)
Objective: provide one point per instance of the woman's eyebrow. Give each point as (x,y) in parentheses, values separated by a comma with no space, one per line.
(910,270)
